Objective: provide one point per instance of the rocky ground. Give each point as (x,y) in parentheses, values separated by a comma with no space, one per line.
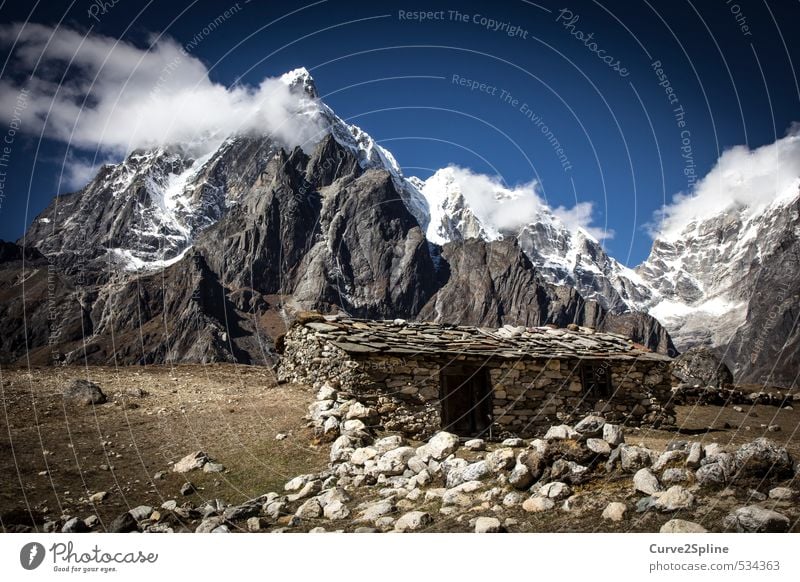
(223,448)
(55,454)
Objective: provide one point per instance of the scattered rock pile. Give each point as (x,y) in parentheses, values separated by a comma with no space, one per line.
(584,472)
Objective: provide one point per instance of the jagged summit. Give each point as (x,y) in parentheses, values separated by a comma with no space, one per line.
(301,80)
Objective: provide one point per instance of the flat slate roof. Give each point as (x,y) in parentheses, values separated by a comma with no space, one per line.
(362,337)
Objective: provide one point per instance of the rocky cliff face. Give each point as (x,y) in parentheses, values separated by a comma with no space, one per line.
(495,283)
(731,283)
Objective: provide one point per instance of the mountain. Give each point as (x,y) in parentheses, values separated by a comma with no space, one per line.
(731,281)
(203,251)
(562,255)
(728,281)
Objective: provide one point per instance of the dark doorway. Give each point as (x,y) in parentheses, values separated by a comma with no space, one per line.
(466,401)
(596,379)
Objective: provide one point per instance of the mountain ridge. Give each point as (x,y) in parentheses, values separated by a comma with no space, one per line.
(273,223)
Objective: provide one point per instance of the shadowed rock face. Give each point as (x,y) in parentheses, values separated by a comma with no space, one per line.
(272,232)
(494,283)
(701,366)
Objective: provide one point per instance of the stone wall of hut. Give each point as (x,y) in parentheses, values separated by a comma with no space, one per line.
(528,396)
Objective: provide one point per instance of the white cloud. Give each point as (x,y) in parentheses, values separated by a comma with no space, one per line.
(741,178)
(118,97)
(77,172)
(509,209)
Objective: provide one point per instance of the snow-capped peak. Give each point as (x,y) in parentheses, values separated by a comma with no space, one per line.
(301,79)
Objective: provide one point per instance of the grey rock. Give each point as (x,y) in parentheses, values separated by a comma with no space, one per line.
(376,510)
(141,512)
(695,455)
(534,461)
(569,471)
(413,521)
(673,499)
(91,521)
(560,432)
(343,447)
(191,462)
(682,526)
(537,504)
(488,525)
(124,523)
(472,472)
(645,482)
(336,510)
(244,511)
(439,446)
(701,365)
(756,519)
(500,460)
(326,391)
(212,467)
(513,498)
(360,412)
(309,509)
(475,445)
(782,494)
(711,475)
(513,442)
(74,525)
(84,393)
(591,426)
(762,458)
(98,497)
(613,434)
(598,446)
(462,495)
(668,458)
(520,477)
(275,509)
(209,524)
(555,490)
(674,476)
(387,443)
(394,462)
(188,488)
(615,511)
(256,524)
(310,488)
(297,483)
(633,458)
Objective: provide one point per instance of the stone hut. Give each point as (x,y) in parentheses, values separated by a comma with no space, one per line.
(492,383)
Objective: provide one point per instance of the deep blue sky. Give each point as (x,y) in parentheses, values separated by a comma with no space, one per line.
(619,133)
